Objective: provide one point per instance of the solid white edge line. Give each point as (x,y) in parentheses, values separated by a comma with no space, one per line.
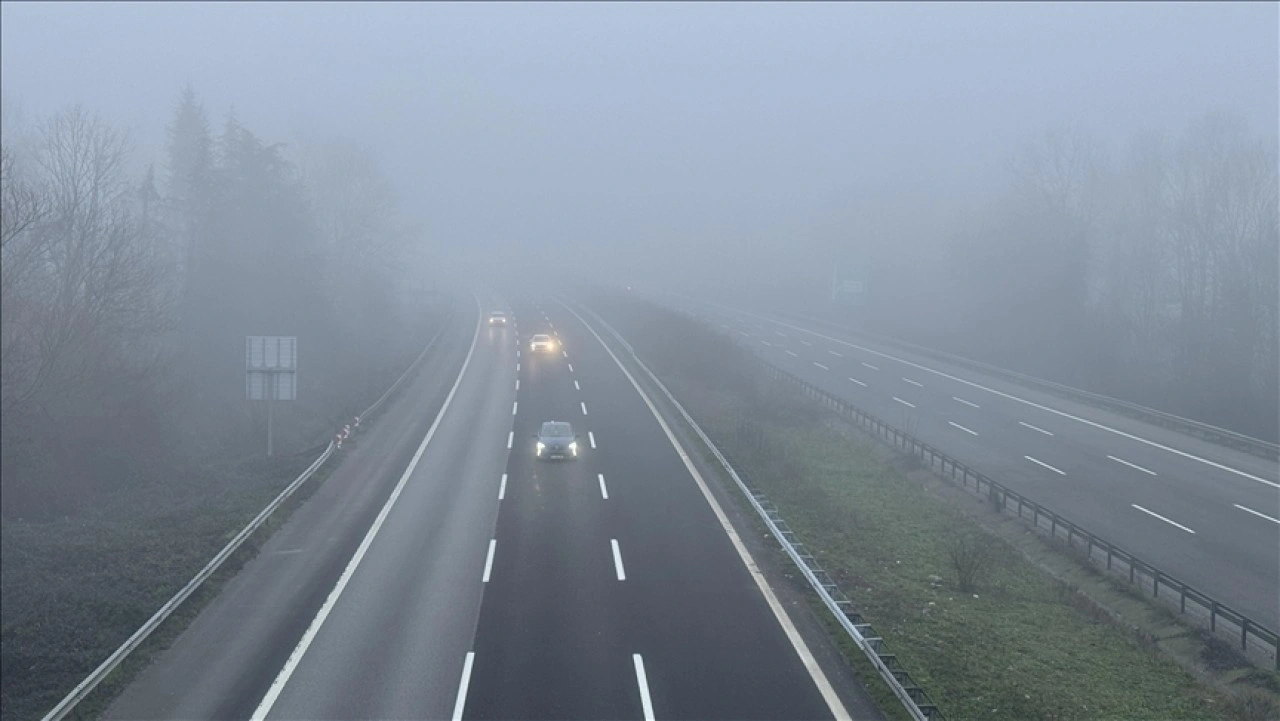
(461,701)
(855,380)
(1046,465)
(604,492)
(903,402)
(1035,428)
(643,682)
(591,437)
(295,658)
(1157,515)
(815,671)
(511,436)
(967,403)
(584,407)
(1256,513)
(1033,404)
(914,383)
(502,487)
(488,561)
(966,430)
(617,560)
(1132,465)
(821,366)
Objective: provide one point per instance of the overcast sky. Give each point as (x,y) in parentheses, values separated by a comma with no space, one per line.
(654,124)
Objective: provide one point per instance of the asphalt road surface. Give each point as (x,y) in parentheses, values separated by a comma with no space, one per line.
(442,571)
(1206,514)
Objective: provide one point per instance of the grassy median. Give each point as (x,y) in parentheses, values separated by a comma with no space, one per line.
(1015,643)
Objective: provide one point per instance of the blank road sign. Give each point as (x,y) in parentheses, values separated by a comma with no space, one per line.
(271,352)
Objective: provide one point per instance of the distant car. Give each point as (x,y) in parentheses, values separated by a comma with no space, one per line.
(497,317)
(555,440)
(542,343)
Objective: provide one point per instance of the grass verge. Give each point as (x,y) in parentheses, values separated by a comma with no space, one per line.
(1020,643)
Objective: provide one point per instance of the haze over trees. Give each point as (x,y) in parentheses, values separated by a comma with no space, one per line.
(126,299)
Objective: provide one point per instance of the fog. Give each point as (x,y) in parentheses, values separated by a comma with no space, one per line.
(652,135)
(1083,192)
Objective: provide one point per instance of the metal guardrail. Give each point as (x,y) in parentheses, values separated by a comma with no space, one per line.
(1214,434)
(1255,640)
(914,698)
(95,677)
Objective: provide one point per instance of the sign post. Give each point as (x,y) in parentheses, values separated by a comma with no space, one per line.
(271,374)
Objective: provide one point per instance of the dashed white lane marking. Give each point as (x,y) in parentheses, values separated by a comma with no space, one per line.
(874,368)
(604,492)
(502,487)
(514,406)
(555,333)
(743,332)
(517,368)
(792,354)
(461,701)
(918,385)
(565,353)
(308,637)
(488,561)
(511,437)
(1260,515)
(643,682)
(1157,515)
(967,403)
(591,437)
(805,342)
(1046,465)
(855,380)
(1034,428)
(762,340)
(617,560)
(576,387)
(797,641)
(784,335)
(821,366)
(725,327)
(1132,465)
(966,430)
(570,367)
(584,407)
(517,384)
(835,354)
(1045,408)
(517,352)
(903,402)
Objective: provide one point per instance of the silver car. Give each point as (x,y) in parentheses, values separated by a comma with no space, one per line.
(556,439)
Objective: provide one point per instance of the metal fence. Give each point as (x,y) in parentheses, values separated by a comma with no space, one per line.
(99,674)
(915,700)
(1211,433)
(1253,639)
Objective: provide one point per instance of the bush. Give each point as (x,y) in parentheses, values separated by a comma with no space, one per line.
(972,556)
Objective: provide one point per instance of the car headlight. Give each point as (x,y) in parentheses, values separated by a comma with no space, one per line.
(540,447)
(573,448)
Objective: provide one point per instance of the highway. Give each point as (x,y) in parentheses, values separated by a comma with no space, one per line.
(1208,515)
(441,571)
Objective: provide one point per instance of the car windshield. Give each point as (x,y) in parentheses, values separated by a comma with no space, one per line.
(557,430)
(498,314)
(542,337)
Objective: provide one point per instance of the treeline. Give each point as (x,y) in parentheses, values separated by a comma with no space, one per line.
(1149,275)
(126,299)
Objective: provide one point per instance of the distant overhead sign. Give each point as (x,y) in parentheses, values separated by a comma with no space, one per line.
(846,287)
(271,367)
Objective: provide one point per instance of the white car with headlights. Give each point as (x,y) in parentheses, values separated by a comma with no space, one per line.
(556,439)
(542,343)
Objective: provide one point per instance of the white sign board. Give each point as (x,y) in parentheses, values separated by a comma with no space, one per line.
(271,363)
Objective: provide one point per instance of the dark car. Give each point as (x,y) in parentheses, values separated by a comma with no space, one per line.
(556,440)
